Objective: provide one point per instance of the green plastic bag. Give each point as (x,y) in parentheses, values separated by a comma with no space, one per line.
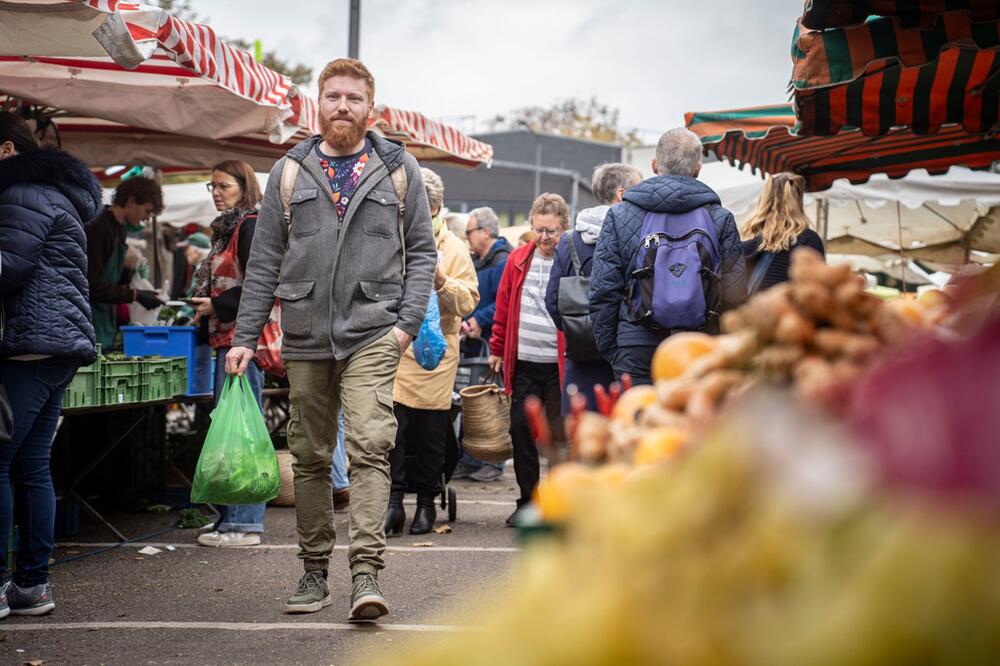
(238,464)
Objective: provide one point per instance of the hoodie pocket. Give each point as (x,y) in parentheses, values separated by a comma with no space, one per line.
(296,307)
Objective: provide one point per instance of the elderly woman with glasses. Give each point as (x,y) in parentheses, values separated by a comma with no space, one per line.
(526,345)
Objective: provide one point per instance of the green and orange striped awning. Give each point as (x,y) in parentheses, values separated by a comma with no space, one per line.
(739,136)
(916,67)
(823,14)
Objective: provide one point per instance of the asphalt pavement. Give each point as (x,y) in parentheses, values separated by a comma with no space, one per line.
(197,605)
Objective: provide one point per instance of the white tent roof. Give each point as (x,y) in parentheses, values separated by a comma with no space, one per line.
(187,202)
(937,215)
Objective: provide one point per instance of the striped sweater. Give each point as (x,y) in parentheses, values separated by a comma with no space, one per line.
(536,333)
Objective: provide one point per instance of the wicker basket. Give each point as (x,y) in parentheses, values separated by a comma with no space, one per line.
(486,423)
(286,496)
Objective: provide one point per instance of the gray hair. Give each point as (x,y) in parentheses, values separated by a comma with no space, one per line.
(609,177)
(487,220)
(678,153)
(435,189)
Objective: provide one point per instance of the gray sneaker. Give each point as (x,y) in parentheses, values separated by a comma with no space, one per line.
(35,600)
(486,474)
(312,594)
(4,608)
(367,602)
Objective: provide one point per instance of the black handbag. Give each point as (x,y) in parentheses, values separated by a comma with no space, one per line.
(574,310)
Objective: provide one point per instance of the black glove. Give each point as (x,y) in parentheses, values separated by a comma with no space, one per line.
(148,299)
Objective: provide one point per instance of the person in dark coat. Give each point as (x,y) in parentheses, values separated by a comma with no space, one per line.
(627,344)
(609,184)
(775,229)
(45,335)
(133,202)
(489,256)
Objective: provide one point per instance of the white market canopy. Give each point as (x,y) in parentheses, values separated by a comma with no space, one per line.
(129,83)
(942,219)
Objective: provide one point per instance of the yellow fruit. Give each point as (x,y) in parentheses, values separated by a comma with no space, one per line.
(559,491)
(909,310)
(658,445)
(676,353)
(934,298)
(610,477)
(631,402)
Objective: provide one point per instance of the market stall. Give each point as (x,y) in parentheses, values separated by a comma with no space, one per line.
(128,84)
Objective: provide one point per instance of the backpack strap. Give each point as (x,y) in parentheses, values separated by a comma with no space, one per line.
(573,255)
(289,174)
(759,271)
(400,183)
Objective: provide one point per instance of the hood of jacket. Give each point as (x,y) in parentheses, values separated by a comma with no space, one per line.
(58,170)
(499,245)
(671,194)
(390,152)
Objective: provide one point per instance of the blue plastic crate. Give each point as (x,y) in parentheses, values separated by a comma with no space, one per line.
(173,341)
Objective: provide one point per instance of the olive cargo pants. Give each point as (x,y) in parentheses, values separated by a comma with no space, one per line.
(362,386)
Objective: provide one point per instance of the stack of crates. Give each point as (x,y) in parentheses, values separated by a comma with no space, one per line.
(85,388)
(121,381)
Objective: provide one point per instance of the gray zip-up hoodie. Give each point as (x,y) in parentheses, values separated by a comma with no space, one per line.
(341,285)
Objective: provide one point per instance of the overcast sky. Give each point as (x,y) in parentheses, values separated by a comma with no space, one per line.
(652,59)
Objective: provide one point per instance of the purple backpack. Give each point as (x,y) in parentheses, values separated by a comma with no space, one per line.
(674,284)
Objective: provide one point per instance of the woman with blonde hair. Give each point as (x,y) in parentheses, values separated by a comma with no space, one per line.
(775,229)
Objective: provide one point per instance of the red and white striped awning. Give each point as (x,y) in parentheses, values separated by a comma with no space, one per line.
(121,67)
(138,65)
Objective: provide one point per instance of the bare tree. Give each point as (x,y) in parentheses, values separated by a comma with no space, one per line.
(579,118)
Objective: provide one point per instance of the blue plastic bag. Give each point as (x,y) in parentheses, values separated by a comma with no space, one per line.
(430,345)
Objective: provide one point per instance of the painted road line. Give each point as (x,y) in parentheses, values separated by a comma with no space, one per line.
(233,626)
(292,546)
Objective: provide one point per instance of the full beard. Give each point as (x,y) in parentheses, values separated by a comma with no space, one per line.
(343,137)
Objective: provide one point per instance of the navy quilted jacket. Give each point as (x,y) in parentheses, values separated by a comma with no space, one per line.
(619,241)
(45,198)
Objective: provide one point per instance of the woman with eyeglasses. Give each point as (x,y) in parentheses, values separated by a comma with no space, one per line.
(217,286)
(526,345)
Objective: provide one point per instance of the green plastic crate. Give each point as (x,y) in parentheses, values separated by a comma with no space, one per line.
(157,378)
(85,388)
(131,367)
(121,390)
(179,375)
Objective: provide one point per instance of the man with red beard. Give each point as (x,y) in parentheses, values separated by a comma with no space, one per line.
(348,249)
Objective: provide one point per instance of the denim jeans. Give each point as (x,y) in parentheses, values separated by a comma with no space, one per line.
(240,517)
(340,480)
(35,390)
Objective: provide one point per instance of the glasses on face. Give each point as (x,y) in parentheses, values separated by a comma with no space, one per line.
(468,232)
(211,187)
(546,232)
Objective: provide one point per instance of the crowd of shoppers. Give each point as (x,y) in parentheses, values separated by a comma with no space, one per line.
(349,237)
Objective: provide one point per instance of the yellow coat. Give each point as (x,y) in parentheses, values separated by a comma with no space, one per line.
(457,298)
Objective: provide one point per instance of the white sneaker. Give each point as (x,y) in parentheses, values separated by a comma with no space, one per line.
(218,539)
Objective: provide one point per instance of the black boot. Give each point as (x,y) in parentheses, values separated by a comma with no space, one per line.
(423,519)
(395,516)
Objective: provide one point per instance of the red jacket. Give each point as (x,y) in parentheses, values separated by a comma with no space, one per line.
(503,342)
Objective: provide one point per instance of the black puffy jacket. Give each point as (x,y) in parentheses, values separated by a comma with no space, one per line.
(46,196)
(620,238)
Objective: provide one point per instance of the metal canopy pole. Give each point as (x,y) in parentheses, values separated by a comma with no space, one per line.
(354,30)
